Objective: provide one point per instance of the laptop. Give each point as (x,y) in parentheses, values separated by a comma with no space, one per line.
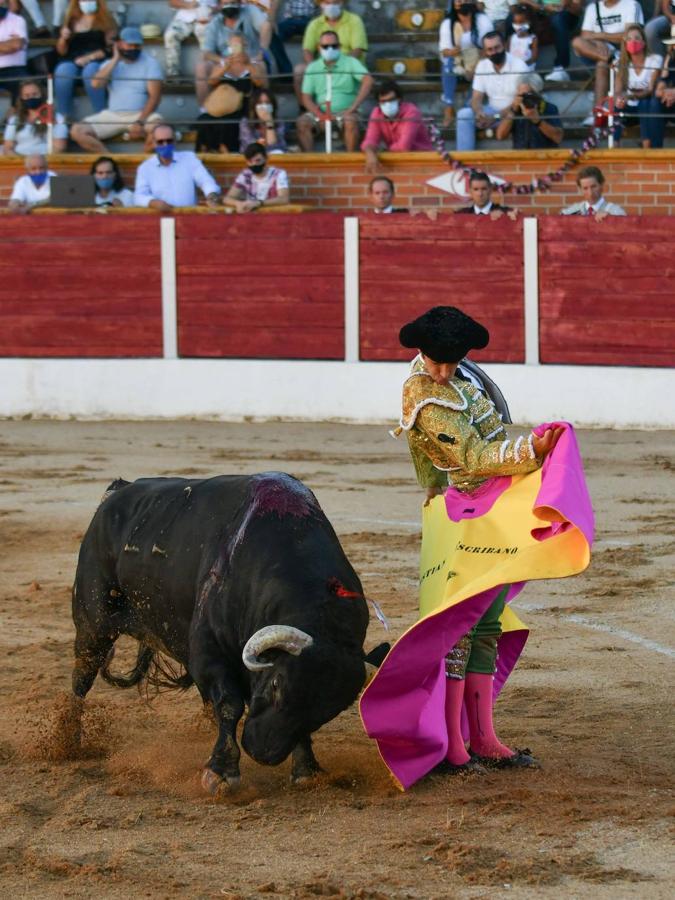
(72,191)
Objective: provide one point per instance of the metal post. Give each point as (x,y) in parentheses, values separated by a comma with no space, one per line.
(50,115)
(531,285)
(351,244)
(169,304)
(610,106)
(328,123)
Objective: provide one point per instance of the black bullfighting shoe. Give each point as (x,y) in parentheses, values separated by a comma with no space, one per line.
(521,759)
(471,767)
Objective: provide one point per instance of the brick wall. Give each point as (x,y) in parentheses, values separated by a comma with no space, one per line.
(642,181)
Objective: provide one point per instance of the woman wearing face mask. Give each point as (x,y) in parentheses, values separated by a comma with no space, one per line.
(26,130)
(259,184)
(635,85)
(460,42)
(110,189)
(83,44)
(261,124)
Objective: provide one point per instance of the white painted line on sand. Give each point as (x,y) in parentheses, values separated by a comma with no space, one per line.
(353,519)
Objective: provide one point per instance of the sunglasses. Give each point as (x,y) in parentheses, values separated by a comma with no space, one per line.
(162,141)
(327,46)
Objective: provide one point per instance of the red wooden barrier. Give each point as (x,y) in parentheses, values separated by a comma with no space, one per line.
(409,264)
(72,286)
(261,287)
(606,291)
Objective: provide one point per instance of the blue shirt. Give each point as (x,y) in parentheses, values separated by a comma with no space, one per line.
(176,183)
(128,91)
(217,35)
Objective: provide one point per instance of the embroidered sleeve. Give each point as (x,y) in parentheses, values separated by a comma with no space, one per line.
(427,473)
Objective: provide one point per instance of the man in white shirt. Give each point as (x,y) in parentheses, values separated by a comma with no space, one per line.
(600,39)
(591,182)
(33,188)
(495,83)
(170,178)
(13,43)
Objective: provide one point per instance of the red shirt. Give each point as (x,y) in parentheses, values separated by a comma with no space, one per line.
(406,131)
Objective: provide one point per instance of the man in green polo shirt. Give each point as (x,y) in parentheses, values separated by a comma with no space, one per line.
(336,78)
(334,17)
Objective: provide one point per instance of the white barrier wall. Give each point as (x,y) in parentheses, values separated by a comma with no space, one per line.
(230,390)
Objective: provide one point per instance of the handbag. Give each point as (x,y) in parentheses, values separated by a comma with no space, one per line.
(223,101)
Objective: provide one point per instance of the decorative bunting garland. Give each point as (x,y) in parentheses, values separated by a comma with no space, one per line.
(542,184)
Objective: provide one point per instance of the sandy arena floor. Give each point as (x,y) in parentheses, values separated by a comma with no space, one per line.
(592,697)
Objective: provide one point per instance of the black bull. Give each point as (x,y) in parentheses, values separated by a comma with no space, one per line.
(243,582)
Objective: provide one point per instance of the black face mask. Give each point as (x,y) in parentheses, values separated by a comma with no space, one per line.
(498,59)
(257,168)
(231,12)
(131,54)
(467,8)
(33,102)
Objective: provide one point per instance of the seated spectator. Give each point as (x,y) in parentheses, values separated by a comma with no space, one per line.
(26,130)
(494,89)
(261,125)
(591,182)
(233,19)
(381,191)
(288,18)
(460,41)
(533,122)
(33,188)
(395,125)
(171,178)
(480,191)
(13,43)
(110,188)
(635,86)
(32,7)
(555,20)
(335,18)
(350,85)
(259,184)
(665,93)
(601,35)
(498,13)
(660,27)
(523,43)
(192,17)
(231,86)
(134,80)
(84,42)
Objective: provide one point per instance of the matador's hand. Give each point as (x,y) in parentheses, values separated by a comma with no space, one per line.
(544,443)
(433,492)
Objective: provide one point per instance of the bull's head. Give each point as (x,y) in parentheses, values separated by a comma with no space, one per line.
(299,686)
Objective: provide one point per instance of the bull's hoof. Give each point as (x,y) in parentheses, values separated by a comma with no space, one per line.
(215,784)
(304,779)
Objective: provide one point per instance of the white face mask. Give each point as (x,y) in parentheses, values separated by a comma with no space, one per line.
(88,7)
(389,108)
(329,54)
(262,108)
(523,27)
(332,10)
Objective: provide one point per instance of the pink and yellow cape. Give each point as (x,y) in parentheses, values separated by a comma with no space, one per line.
(510,531)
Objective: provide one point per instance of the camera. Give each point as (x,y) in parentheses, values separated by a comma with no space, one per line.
(530,100)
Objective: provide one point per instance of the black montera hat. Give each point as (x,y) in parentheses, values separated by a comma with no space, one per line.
(444,334)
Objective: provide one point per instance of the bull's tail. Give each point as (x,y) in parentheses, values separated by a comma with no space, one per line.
(136,675)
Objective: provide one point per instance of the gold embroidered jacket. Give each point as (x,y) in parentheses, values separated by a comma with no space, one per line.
(456,434)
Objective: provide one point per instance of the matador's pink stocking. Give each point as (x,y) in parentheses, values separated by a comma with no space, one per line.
(478,698)
(454,696)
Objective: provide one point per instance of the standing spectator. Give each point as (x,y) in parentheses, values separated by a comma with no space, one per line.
(33,188)
(289,18)
(261,125)
(110,187)
(395,125)
(661,27)
(233,20)
(480,191)
(498,12)
(170,178)
(350,85)
(494,89)
(591,182)
(533,122)
(192,17)
(381,191)
(523,43)
(665,92)
(635,85)
(84,42)
(349,28)
(601,35)
(26,130)
(259,184)
(460,41)
(13,43)
(135,88)
(232,85)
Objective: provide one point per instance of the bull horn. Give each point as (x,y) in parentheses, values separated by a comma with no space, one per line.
(279,637)
(371,672)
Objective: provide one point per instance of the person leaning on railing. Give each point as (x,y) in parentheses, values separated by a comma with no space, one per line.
(395,125)
(259,184)
(635,84)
